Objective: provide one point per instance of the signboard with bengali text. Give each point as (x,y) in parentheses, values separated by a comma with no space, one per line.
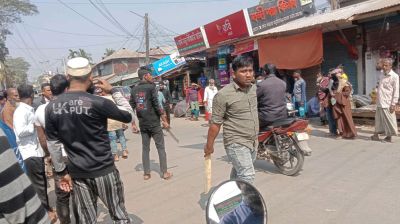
(278,12)
(191,42)
(227,28)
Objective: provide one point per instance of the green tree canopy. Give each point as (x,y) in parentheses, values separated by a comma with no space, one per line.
(16,71)
(11,11)
(79,53)
(109,52)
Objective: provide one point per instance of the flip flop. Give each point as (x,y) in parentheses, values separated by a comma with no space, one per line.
(146,176)
(167,176)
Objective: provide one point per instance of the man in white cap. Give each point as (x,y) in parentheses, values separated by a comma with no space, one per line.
(78,120)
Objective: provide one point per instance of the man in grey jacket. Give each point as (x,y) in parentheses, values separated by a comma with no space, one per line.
(271,97)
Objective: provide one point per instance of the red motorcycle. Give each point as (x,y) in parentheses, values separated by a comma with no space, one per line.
(285,143)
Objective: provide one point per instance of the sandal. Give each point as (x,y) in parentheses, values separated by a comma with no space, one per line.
(146,176)
(375,138)
(125,154)
(167,176)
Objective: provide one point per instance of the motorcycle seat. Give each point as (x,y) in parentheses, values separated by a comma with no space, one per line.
(283,122)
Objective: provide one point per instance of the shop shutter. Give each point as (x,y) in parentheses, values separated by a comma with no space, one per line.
(335,54)
(310,76)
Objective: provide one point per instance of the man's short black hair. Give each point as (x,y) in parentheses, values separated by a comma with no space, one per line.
(298,71)
(142,72)
(241,61)
(58,84)
(25,91)
(269,69)
(44,85)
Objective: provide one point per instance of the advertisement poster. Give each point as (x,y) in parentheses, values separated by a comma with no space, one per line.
(224,78)
(278,12)
(227,28)
(167,63)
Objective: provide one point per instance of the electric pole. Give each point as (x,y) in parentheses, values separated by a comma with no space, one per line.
(146,27)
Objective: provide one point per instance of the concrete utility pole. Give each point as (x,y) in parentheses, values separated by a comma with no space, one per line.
(146,27)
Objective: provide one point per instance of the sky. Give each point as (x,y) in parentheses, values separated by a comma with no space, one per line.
(44,39)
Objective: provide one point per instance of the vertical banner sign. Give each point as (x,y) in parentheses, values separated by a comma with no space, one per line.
(191,42)
(278,12)
(227,28)
(223,77)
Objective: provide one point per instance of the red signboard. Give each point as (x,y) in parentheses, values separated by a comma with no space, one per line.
(190,42)
(227,28)
(245,47)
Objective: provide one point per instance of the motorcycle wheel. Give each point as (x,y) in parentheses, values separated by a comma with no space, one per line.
(295,161)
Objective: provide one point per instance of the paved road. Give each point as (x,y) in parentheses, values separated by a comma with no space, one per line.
(344,181)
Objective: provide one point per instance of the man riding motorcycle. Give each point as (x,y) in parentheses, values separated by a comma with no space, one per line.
(271,98)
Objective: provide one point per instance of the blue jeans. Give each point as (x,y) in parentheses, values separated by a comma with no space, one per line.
(242,159)
(113,140)
(331,121)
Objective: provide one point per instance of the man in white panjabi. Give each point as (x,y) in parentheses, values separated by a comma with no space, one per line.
(387,98)
(209,94)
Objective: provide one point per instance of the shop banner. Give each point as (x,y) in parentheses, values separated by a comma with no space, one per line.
(227,28)
(297,51)
(191,42)
(223,78)
(167,63)
(245,47)
(278,12)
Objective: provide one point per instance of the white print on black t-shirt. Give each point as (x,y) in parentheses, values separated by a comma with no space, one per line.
(71,107)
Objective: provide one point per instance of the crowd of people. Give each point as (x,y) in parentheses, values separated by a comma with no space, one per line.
(78,120)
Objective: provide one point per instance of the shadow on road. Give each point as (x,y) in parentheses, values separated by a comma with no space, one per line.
(198,146)
(204,198)
(104,216)
(265,167)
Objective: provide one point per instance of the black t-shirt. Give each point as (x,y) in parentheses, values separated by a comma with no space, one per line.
(144,98)
(79,121)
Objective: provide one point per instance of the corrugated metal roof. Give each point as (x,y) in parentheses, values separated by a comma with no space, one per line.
(119,78)
(345,14)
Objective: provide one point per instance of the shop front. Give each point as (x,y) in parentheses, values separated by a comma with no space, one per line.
(303,51)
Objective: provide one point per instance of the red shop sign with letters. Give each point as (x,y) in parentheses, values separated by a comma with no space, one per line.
(190,42)
(227,28)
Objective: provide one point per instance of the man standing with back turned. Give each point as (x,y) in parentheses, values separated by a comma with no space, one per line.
(78,120)
(235,107)
(144,99)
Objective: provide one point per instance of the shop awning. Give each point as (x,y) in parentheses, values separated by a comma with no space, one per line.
(336,17)
(292,52)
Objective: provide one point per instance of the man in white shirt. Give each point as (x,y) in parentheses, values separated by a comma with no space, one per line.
(209,94)
(27,141)
(58,85)
(387,98)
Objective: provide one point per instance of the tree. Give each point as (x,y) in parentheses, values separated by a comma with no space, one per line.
(109,52)
(11,12)
(79,53)
(16,71)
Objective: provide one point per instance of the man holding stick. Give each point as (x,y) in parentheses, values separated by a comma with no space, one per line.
(235,107)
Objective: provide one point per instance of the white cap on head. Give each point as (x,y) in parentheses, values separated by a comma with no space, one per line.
(78,67)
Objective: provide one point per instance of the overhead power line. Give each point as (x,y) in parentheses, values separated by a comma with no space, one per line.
(86,18)
(139,3)
(108,16)
(27,50)
(81,46)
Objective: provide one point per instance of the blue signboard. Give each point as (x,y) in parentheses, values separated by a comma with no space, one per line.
(167,63)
